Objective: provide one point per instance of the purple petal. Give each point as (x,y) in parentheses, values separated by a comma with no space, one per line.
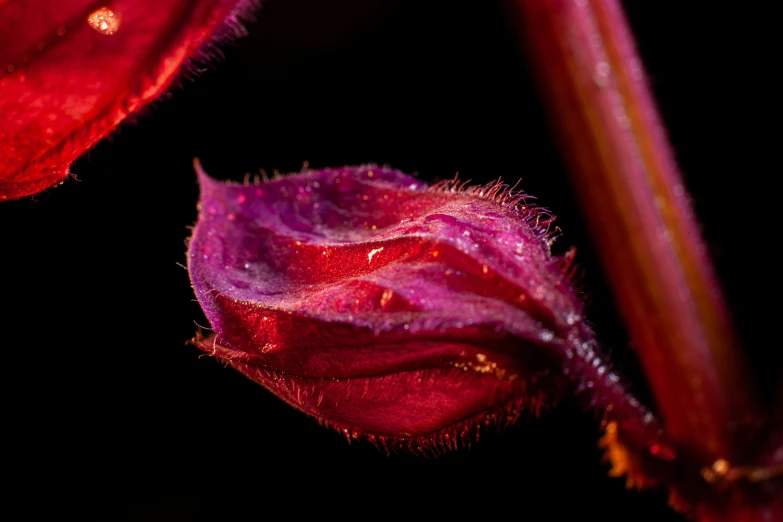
(407,314)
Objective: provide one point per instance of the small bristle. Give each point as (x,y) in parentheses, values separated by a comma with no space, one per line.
(538,218)
(461,435)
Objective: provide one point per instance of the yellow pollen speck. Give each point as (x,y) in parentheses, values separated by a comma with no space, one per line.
(483,366)
(522,297)
(104,21)
(485,268)
(720,466)
(435,254)
(369,174)
(365,198)
(386,297)
(716,472)
(622,460)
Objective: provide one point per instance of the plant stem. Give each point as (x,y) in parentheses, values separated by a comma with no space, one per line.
(641,220)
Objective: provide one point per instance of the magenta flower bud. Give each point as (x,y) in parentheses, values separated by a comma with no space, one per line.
(407,314)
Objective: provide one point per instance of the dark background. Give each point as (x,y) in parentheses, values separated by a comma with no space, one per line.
(109,415)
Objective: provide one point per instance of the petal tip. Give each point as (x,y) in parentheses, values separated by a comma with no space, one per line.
(208,185)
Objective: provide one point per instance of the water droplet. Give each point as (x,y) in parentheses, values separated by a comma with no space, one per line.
(601,75)
(372,253)
(104,21)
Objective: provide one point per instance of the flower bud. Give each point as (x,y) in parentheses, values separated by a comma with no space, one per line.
(409,315)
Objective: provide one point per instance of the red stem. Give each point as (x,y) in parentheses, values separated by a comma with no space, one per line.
(641,219)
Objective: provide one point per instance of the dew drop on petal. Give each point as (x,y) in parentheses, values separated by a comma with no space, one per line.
(104,21)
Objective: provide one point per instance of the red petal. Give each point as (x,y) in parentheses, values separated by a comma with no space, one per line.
(71,71)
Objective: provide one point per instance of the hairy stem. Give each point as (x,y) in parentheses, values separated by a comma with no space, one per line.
(641,219)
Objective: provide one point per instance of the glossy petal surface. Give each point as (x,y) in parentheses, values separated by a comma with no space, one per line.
(391,309)
(71,71)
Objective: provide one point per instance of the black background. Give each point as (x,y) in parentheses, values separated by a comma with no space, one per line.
(109,415)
